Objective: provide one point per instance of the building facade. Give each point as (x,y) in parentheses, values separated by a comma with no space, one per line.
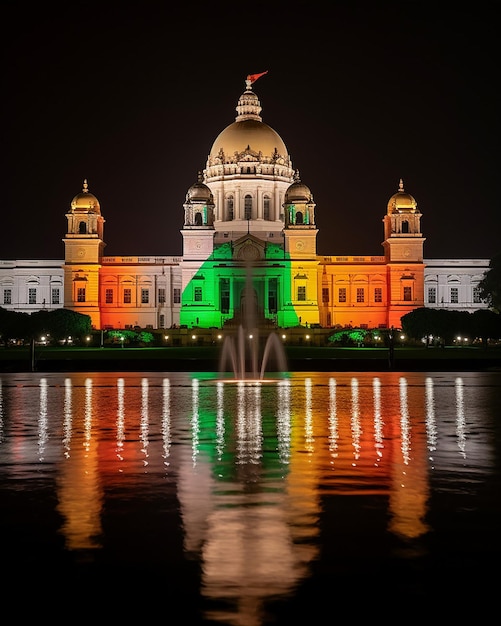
(249,252)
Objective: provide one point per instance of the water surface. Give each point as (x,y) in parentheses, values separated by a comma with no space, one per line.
(250,503)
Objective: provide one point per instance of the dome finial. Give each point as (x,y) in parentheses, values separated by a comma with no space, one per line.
(85,186)
(401,185)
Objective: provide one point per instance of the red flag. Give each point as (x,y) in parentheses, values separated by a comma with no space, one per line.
(254,77)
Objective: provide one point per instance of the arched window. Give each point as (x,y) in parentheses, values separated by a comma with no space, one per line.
(248,207)
(405,227)
(82,228)
(198,219)
(299,217)
(229,209)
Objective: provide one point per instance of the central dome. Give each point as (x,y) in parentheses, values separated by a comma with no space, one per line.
(248,171)
(248,135)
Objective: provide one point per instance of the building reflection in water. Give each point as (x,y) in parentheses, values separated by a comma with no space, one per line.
(252,462)
(80,492)
(409,491)
(244,537)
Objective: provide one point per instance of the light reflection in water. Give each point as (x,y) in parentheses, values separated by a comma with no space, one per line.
(308,417)
(378,421)
(460,419)
(249,461)
(220,430)
(166,420)
(356,429)
(333,420)
(249,433)
(120,418)
(144,419)
(409,494)
(88,413)
(42,420)
(431,424)
(284,420)
(195,423)
(405,432)
(80,492)
(68,416)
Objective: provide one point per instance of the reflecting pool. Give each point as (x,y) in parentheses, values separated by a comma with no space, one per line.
(248,503)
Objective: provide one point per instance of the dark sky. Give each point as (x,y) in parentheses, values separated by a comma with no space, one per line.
(132,95)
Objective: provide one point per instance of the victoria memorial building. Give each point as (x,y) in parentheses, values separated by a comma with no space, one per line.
(249,243)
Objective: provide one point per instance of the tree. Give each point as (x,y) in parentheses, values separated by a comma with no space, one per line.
(447,325)
(14,325)
(486,325)
(490,285)
(439,323)
(61,324)
(65,323)
(419,323)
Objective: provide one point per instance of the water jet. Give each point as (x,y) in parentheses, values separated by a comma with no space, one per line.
(246,352)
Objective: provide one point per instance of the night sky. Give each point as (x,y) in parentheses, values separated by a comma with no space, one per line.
(131,97)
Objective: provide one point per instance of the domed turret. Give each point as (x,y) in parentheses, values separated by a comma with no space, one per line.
(402,226)
(199,192)
(298,192)
(85,202)
(199,206)
(299,207)
(402,202)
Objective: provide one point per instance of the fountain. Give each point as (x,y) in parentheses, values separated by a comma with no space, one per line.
(243,351)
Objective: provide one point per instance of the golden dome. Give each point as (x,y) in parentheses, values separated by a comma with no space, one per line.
(200,192)
(85,202)
(402,202)
(248,134)
(298,192)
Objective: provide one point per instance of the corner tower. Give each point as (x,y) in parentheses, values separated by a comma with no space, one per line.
(403,245)
(83,251)
(300,234)
(198,228)
(300,230)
